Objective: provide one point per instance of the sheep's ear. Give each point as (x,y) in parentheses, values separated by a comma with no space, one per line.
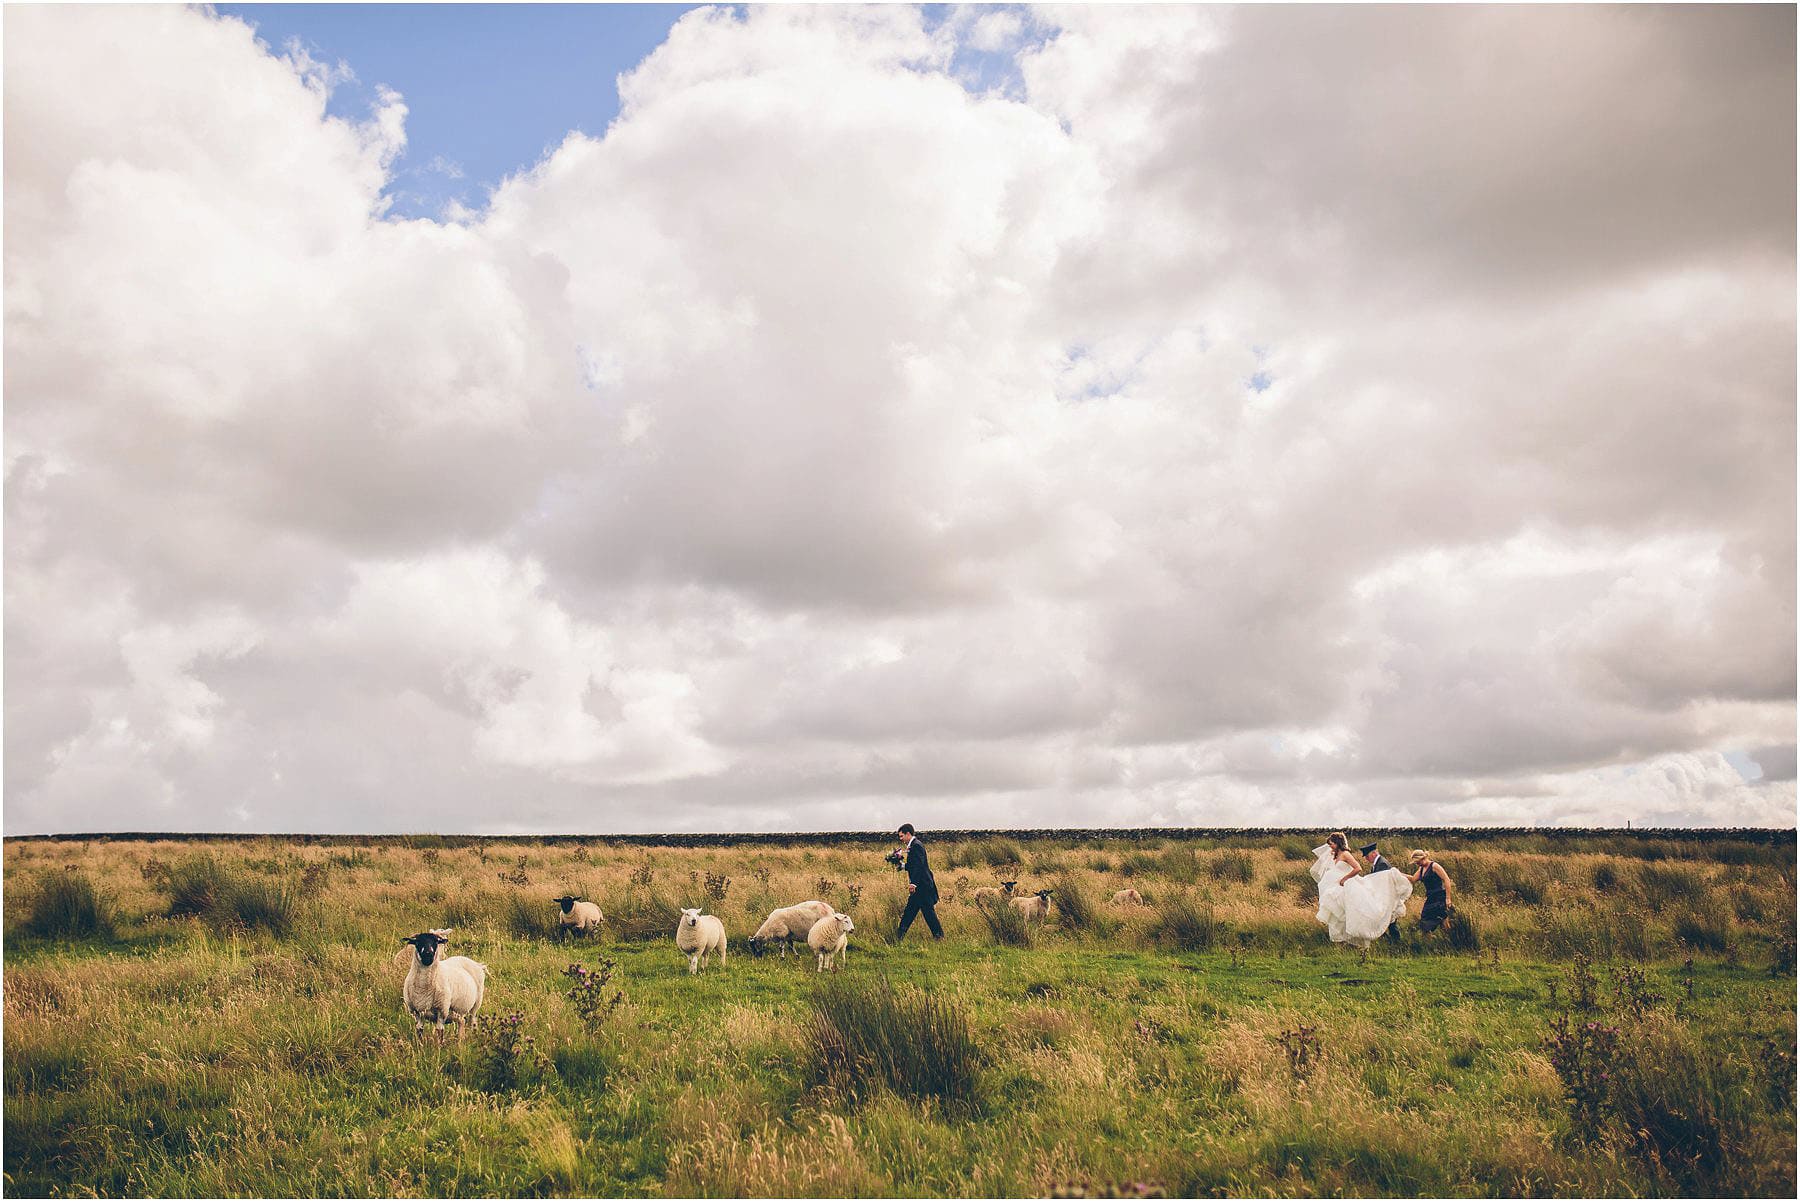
(406,941)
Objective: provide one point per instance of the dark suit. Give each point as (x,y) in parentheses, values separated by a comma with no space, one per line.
(923,898)
(1380,864)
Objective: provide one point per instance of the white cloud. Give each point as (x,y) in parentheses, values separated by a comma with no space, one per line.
(1256,415)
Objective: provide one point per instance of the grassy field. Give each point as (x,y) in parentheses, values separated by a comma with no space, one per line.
(1616,1017)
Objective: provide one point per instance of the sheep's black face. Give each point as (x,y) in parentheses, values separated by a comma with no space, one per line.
(425,947)
(567,903)
(756,946)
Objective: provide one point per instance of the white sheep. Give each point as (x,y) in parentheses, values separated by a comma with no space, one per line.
(447,989)
(578,917)
(1036,906)
(1128,897)
(696,934)
(988,891)
(787,924)
(830,937)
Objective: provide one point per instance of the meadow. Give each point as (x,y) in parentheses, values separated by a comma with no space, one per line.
(1613,1015)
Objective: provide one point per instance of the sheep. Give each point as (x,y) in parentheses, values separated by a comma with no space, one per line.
(987,891)
(1035,906)
(1128,897)
(577,917)
(403,959)
(830,937)
(442,990)
(787,924)
(696,934)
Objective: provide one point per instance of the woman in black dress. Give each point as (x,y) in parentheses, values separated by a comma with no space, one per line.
(1438,888)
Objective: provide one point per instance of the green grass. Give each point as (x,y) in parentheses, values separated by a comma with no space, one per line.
(183,1057)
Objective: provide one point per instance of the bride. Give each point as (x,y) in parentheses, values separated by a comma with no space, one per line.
(1355,907)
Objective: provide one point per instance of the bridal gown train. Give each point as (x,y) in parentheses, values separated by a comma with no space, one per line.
(1357,913)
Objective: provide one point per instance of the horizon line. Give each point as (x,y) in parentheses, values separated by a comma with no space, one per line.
(1117,832)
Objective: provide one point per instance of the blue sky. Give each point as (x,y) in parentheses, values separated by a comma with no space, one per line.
(488,87)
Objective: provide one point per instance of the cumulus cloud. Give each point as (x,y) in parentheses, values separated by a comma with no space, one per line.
(1241,416)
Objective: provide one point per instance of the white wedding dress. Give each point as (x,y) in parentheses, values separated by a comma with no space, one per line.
(1357,913)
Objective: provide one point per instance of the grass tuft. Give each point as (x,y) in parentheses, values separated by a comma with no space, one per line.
(67,906)
(1004,922)
(200,886)
(1075,908)
(529,917)
(867,1034)
(1185,924)
(1234,866)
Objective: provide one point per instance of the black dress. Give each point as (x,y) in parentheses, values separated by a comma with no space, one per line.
(1437,907)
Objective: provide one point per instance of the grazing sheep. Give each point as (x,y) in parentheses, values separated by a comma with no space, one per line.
(1128,897)
(696,934)
(443,990)
(830,937)
(403,959)
(1036,906)
(577,917)
(787,924)
(987,891)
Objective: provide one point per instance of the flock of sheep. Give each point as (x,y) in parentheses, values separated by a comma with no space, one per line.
(450,989)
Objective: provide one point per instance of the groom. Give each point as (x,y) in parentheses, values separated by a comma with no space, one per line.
(1379,864)
(921,886)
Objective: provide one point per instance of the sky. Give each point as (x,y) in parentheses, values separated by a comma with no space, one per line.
(815,418)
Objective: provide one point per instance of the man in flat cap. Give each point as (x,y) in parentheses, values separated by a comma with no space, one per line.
(1377,863)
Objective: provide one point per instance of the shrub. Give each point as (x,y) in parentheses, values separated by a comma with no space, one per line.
(1606,877)
(1004,922)
(867,1035)
(589,993)
(504,1056)
(1235,866)
(1582,1053)
(67,906)
(1185,925)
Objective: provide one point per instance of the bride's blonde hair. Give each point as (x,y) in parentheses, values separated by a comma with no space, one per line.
(1337,840)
